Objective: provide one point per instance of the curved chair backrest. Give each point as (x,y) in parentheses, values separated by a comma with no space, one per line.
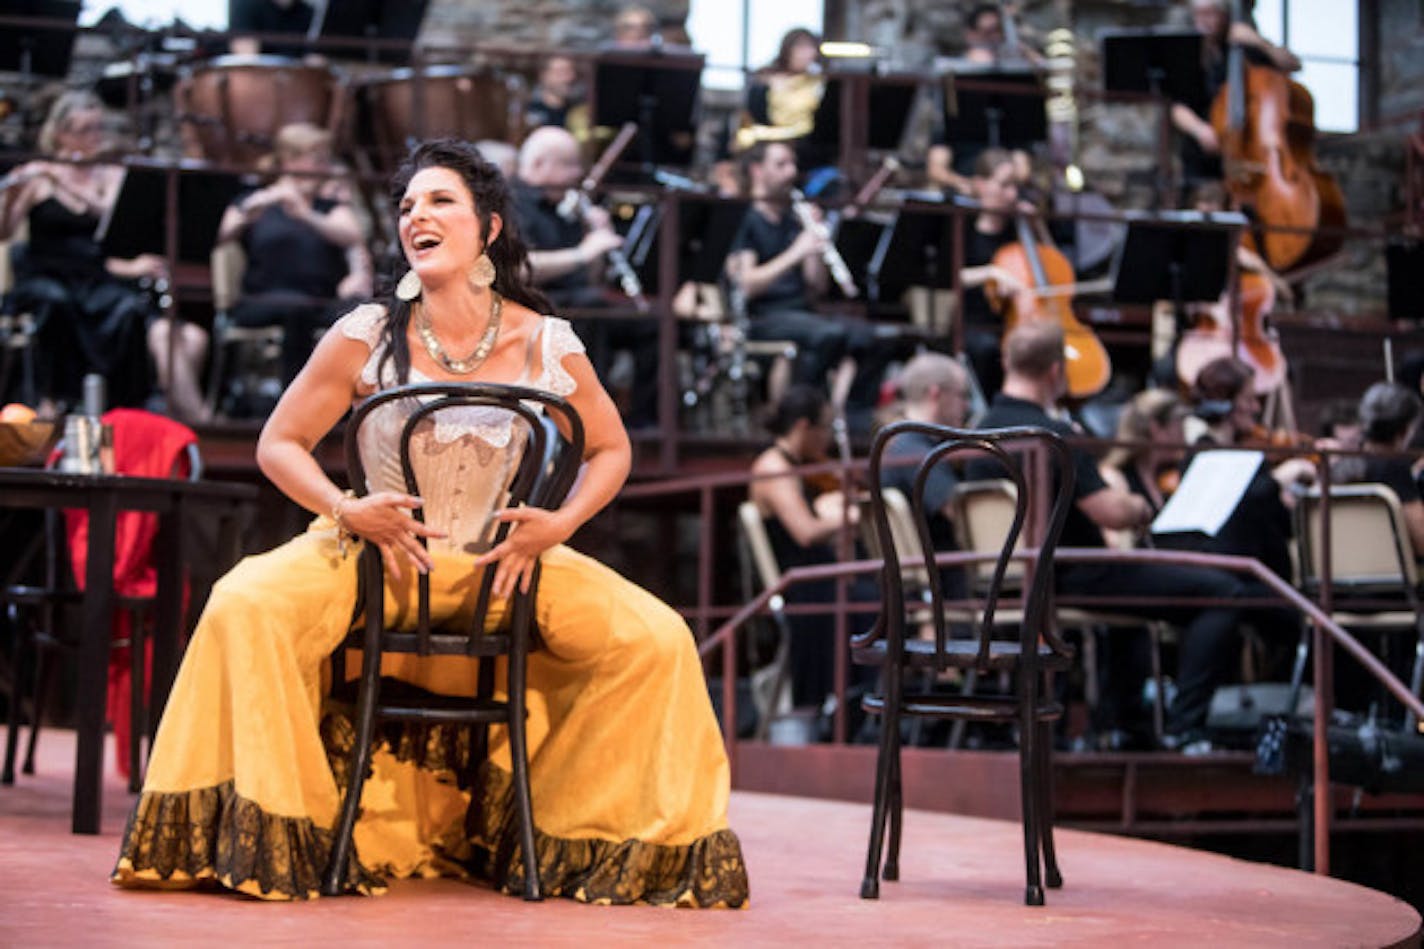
(983,513)
(946,442)
(228,261)
(758,545)
(543,477)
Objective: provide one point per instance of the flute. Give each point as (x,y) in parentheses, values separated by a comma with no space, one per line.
(835,264)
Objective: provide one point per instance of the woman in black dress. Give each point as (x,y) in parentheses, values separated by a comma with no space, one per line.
(88,309)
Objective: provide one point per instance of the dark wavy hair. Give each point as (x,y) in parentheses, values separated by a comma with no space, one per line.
(508,252)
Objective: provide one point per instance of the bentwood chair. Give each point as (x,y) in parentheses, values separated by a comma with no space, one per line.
(1035,649)
(542,477)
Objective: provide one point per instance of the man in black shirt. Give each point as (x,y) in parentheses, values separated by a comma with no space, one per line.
(563,249)
(249,17)
(553,97)
(1034,381)
(777,266)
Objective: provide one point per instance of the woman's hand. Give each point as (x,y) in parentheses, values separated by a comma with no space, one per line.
(384,519)
(535,531)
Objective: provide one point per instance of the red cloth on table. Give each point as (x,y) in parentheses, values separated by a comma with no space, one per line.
(145,446)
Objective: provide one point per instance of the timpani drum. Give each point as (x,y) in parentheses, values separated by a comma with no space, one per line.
(231,108)
(406,106)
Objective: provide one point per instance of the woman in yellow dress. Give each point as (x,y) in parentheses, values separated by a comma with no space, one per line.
(629,778)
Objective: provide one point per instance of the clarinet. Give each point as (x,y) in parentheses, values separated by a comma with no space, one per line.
(835,264)
(617,260)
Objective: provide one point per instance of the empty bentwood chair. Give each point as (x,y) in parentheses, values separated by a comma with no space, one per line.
(542,478)
(1033,650)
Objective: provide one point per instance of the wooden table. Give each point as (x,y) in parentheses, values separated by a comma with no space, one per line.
(103,496)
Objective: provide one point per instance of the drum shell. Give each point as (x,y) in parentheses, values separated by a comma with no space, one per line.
(401,108)
(232,107)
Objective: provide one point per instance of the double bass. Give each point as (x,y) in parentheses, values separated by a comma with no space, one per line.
(1266,125)
(1048,279)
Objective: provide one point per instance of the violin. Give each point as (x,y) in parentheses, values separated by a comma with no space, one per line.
(1044,270)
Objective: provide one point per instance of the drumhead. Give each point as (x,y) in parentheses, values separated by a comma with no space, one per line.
(406,74)
(260,61)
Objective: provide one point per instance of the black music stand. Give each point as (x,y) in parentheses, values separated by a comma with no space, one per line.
(661,92)
(917,250)
(857,241)
(1000,117)
(1160,62)
(39,51)
(372,20)
(889,110)
(1404,262)
(706,229)
(1164,257)
(137,222)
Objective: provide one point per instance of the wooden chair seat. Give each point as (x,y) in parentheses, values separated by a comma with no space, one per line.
(960,654)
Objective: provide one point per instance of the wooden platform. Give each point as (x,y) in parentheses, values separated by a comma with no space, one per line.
(961,885)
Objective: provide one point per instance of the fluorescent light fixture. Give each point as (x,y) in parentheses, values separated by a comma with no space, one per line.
(841,50)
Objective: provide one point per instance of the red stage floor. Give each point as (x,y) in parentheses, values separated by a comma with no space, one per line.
(962,885)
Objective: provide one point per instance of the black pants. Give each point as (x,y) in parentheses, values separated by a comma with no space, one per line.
(1208,633)
(821,342)
(90,323)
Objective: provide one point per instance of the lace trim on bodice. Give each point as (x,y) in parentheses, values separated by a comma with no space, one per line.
(366,324)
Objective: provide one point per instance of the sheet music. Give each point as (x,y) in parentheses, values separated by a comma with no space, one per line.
(1211,489)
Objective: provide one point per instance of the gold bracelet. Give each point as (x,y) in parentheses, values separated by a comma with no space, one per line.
(343,533)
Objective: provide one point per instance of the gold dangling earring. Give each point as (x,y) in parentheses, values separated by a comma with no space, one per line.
(409,287)
(482,272)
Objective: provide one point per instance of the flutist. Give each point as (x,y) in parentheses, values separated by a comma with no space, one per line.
(780,266)
(568,253)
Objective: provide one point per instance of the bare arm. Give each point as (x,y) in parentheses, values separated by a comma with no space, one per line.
(1243,34)
(755,277)
(1115,509)
(940,169)
(314,402)
(781,498)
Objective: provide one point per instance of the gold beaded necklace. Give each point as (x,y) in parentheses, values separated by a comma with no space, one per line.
(460,367)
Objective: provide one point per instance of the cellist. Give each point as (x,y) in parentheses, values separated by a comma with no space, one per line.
(1200,150)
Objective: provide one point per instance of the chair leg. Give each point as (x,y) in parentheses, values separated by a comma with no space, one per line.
(1028,790)
(368,697)
(870,884)
(479,746)
(44,685)
(137,722)
(519,758)
(24,644)
(891,872)
(1051,877)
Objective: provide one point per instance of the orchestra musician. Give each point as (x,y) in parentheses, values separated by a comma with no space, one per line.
(634,28)
(802,521)
(996,188)
(555,95)
(304,246)
(1034,383)
(251,17)
(986,38)
(782,98)
(1389,413)
(778,268)
(1200,151)
(89,311)
(563,252)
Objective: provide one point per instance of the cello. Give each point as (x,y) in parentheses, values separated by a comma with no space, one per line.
(1257,345)
(1265,123)
(1048,279)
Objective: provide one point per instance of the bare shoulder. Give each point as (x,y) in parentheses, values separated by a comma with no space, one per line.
(770,462)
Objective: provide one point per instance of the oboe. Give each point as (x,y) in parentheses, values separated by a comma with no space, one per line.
(835,264)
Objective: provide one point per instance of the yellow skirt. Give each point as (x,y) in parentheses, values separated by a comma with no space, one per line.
(628,775)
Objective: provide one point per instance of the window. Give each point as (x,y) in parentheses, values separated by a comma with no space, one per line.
(154,14)
(1325,34)
(745,34)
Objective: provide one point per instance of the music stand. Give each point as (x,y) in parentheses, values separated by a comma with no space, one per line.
(1404,262)
(890,103)
(370,20)
(136,222)
(1160,62)
(998,117)
(1164,257)
(857,240)
(917,250)
(661,92)
(39,51)
(706,229)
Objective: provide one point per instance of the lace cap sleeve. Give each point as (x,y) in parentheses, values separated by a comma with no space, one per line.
(560,340)
(364,324)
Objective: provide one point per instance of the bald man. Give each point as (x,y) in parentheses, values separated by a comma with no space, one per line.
(564,254)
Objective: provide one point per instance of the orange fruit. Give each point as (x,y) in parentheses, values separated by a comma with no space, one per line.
(17,413)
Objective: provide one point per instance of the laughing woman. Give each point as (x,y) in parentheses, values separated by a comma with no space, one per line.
(630,781)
